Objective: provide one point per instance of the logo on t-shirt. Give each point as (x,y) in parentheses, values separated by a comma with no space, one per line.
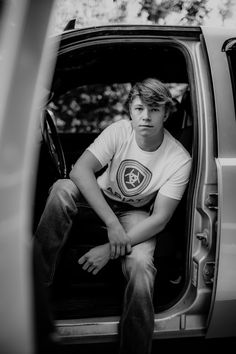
(132,177)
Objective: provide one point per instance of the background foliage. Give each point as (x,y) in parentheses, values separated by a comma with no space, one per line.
(169,12)
(90,109)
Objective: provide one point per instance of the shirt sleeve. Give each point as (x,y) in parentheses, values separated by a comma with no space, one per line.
(104,146)
(177,183)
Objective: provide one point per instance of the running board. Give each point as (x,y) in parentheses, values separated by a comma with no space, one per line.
(92,330)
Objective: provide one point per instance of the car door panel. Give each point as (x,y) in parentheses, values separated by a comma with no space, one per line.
(223,309)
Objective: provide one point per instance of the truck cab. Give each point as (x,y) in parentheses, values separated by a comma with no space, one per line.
(84,73)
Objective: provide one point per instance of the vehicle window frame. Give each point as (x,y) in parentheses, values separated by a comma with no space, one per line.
(230,49)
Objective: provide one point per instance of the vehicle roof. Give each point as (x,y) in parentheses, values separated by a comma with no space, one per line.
(126,29)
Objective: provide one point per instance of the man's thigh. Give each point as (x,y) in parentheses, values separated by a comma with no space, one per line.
(130,218)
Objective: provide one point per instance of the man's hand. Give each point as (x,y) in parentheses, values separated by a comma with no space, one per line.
(95,259)
(120,243)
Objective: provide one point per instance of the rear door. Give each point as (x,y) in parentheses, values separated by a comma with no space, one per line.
(222,318)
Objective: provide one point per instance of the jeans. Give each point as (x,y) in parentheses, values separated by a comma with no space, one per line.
(137,319)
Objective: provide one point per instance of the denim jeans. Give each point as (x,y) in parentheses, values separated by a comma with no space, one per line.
(137,319)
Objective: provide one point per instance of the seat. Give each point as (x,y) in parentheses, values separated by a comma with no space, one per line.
(180,124)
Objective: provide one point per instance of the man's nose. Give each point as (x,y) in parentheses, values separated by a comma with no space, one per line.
(146,114)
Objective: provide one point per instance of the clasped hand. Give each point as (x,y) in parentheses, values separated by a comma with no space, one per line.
(120,243)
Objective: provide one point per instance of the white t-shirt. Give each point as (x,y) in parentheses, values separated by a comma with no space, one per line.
(134,176)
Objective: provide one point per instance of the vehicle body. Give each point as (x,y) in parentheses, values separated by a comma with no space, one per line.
(200,60)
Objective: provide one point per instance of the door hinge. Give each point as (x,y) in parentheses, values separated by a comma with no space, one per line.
(209,272)
(212,201)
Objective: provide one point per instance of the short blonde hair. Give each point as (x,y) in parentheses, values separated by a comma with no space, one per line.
(152,93)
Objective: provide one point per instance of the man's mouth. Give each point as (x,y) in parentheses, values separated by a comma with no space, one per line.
(146,125)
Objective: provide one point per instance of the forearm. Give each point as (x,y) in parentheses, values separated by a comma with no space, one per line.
(87,184)
(163,210)
(146,229)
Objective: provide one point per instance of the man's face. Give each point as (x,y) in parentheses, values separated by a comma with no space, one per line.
(147,121)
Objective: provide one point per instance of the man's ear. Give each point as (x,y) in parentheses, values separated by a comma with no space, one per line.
(166,116)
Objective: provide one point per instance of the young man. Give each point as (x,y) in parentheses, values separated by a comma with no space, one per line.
(135,197)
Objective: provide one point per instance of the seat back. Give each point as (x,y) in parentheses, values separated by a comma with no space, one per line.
(179,124)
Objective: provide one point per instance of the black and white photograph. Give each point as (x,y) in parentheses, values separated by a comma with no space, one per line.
(117,176)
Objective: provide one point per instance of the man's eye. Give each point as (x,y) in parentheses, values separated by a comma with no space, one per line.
(156,109)
(139,109)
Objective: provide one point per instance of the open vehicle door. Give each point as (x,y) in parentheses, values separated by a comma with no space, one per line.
(223,307)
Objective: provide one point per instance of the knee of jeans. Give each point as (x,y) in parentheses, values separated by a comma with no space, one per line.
(132,218)
(64,189)
(139,265)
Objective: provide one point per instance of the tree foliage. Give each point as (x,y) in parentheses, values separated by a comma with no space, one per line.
(192,12)
(226,9)
(168,12)
(90,109)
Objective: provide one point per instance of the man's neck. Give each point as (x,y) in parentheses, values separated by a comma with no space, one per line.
(150,143)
